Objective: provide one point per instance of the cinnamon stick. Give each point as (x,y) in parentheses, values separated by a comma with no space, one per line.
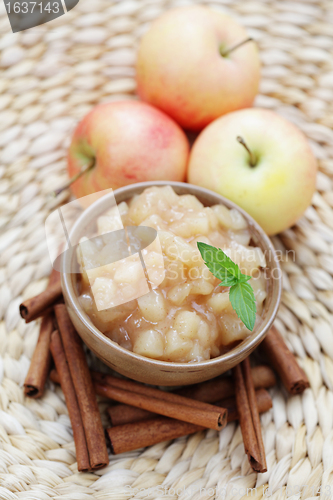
(211,391)
(263,399)
(284,362)
(124,438)
(197,413)
(248,413)
(84,389)
(246,367)
(126,414)
(153,393)
(143,406)
(37,306)
(57,350)
(54,376)
(54,277)
(223,387)
(41,359)
(263,377)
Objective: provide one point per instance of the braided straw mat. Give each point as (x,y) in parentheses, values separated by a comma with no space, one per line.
(51,76)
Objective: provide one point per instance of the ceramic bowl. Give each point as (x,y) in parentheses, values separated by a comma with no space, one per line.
(152,371)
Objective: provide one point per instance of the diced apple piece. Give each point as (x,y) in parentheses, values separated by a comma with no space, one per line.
(190,201)
(183,251)
(129,271)
(114,250)
(155,276)
(149,343)
(107,223)
(176,346)
(155,267)
(140,210)
(229,218)
(176,248)
(259,288)
(86,302)
(167,193)
(243,237)
(186,323)
(260,258)
(191,225)
(214,351)
(174,273)
(152,306)
(84,276)
(212,218)
(232,328)
(181,228)
(237,220)
(204,273)
(258,284)
(104,291)
(202,287)
(199,224)
(154,221)
(122,208)
(219,302)
(100,272)
(88,253)
(223,215)
(119,209)
(198,353)
(129,292)
(166,239)
(179,293)
(153,259)
(203,333)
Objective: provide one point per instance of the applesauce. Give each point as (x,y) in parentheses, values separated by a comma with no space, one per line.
(174,309)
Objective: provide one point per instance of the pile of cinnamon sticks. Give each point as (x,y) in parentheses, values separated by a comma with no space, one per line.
(59,340)
(146,415)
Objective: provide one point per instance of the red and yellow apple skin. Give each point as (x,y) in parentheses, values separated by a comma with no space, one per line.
(180,68)
(127,142)
(279,188)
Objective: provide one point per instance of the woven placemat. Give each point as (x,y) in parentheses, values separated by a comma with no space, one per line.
(50,77)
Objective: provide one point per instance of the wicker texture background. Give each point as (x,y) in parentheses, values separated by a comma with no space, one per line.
(50,77)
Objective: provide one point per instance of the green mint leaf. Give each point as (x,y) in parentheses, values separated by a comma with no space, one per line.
(244,278)
(241,293)
(222,274)
(228,281)
(219,264)
(243,303)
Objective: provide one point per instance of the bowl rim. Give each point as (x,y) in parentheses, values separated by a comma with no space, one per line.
(247,345)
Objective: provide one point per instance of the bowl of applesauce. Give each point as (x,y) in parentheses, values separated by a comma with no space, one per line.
(143,299)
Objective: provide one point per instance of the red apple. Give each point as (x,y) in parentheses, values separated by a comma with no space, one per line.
(126,142)
(185,66)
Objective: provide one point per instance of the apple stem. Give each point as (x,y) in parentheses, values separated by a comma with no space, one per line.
(75,177)
(253,159)
(226,52)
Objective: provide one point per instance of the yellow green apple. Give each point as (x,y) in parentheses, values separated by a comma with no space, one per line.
(119,143)
(194,64)
(260,161)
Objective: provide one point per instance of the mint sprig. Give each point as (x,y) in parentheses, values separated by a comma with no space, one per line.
(241,293)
